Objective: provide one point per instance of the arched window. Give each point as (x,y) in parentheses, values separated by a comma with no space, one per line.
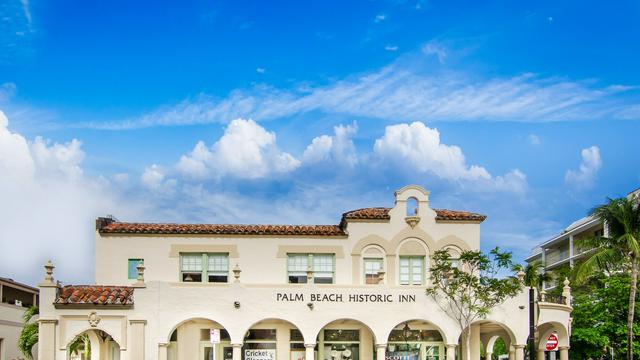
(412,206)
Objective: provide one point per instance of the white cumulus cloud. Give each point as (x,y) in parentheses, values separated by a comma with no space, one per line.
(245,150)
(584,176)
(338,148)
(419,148)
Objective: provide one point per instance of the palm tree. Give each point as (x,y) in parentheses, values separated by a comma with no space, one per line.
(534,275)
(29,334)
(82,344)
(619,251)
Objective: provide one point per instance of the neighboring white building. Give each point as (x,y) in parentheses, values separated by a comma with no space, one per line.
(16,298)
(563,249)
(355,291)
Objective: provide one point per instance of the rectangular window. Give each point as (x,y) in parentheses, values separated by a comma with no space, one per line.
(133,268)
(371,269)
(411,270)
(193,269)
(218,270)
(298,264)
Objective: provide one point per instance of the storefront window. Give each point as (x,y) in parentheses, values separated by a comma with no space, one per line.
(415,345)
(341,344)
(259,344)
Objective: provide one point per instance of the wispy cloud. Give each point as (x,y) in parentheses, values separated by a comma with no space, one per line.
(398,92)
(380,18)
(391,48)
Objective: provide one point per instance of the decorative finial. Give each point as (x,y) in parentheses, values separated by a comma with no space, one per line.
(48,278)
(566,291)
(543,295)
(236,273)
(521,275)
(140,278)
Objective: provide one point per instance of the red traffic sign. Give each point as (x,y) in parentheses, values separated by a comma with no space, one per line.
(552,342)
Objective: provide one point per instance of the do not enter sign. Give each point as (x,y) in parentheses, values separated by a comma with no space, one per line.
(552,342)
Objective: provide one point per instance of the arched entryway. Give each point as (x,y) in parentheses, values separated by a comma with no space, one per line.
(191,339)
(415,340)
(273,339)
(345,339)
(485,335)
(559,332)
(93,344)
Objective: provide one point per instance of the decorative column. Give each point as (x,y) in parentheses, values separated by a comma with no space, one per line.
(519,352)
(474,344)
(46,323)
(451,351)
(564,352)
(540,355)
(309,351)
(381,351)
(566,291)
(163,351)
(46,339)
(512,353)
(237,351)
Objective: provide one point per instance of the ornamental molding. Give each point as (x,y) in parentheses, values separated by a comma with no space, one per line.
(94,319)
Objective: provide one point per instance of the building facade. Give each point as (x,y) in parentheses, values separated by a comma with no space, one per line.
(351,291)
(16,299)
(564,249)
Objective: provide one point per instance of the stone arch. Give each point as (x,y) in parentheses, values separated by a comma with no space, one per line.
(454,241)
(71,336)
(427,322)
(267,319)
(547,329)
(369,240)
(348,319)
(216,325)
(489,340)
(493,327)
(415,233)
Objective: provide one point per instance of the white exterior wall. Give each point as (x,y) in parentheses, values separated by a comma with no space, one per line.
(10,328)
(165,303)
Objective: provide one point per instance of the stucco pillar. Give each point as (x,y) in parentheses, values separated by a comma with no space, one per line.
(163,351)
(381,351)
(47,339)
(512,353)
(564,352)
(309,351)
(97,350)
(540,355)
(136,346)
(451,351)
(237,351)
(519,352)
(474,344)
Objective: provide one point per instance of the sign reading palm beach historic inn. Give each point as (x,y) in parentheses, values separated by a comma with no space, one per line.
(350,291)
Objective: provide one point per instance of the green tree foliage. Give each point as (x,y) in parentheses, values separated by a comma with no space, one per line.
(81,345)
(600,316)
(469,291)
(29,334)
(617,252)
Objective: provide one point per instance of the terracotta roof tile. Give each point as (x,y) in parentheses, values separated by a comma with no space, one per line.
(109,226)
(380,213)
(95,295)
(222,229)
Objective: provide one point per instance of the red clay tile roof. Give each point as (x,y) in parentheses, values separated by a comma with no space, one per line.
(95,295)
(222,229)
(110,226)
(380,213)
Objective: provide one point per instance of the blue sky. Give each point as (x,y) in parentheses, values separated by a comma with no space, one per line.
(294,112)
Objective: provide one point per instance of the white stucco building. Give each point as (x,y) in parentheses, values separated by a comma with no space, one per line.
(16,299)
(355,290)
